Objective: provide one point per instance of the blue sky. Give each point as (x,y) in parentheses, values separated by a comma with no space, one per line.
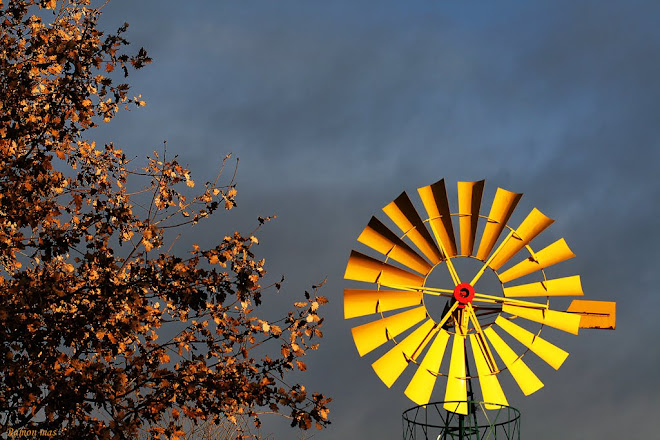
(334,108)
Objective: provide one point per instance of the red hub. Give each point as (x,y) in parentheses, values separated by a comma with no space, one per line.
(464,293)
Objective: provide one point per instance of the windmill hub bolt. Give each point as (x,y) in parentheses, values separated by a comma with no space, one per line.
(464,294)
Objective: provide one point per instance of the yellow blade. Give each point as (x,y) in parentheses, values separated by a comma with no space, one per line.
(490,387)
(403,214)
(567,286)
(457,381)
(374,334)
(503,205)
(421,386)
(524,377)
(546,257)
(595,314)
(378,237)
(361,302)
(560,320)
(469,202)
(362,267)
(481,339)
(550,353)
(434,198)
(390,366)
(532,226)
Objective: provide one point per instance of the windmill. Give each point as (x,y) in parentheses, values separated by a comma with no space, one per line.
(472,336)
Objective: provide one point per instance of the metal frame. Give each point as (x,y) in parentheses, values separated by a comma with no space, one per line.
(433,422)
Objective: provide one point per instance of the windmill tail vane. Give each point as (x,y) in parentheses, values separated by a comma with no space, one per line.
(476,328)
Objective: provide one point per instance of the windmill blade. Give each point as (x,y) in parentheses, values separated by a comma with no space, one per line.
(378,237)
(546,257)
(481,339)
(421,386)
(469,202)
(374,334)
(503,206)
(436,203)
(524,377)
(491,389)
(362,267)
(532,226)
(567,322)
(457,378)
(594,314)
(551,354)
(403,214)
(390,366)
(361,302)
(567,286)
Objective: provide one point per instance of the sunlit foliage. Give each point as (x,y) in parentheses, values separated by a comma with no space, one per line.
(104,331)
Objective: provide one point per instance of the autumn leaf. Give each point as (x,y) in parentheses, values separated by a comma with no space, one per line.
(147,245)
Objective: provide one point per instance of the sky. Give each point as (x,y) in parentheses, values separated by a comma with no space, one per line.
(335,108)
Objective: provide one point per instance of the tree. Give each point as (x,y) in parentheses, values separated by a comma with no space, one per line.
(104,332)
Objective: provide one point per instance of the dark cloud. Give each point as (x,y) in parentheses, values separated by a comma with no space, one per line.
(335,108)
